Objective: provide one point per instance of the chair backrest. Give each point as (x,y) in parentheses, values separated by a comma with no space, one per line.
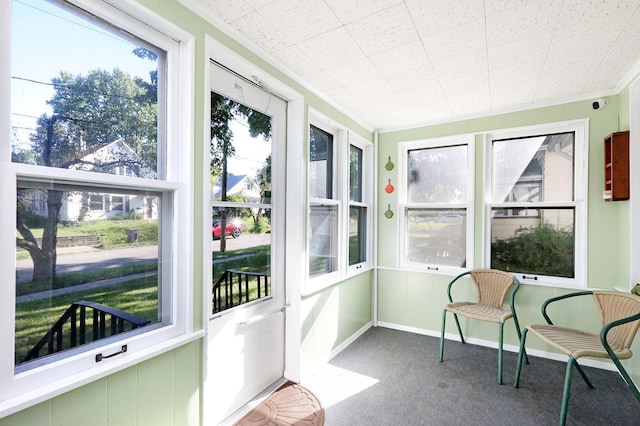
(614,305)
(493,285)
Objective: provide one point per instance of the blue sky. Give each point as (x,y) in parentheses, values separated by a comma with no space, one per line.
(45,40)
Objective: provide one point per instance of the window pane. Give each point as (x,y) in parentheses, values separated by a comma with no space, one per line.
(355,174)
(240,147)
(534,241)
(357,234)
(81,275)
(436,236)
(320,164)
(324,242)
(241,261)
(531,169)
(85,98)
(438,175)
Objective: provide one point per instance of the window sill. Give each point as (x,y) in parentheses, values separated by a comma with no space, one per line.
(51,390)
(322,283)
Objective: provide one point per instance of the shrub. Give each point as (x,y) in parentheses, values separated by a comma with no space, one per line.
(541,250)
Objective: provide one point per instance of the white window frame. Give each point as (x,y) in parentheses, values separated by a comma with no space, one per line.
(342,139)
(467,140)
(581,130)
(19,390)
(367,199)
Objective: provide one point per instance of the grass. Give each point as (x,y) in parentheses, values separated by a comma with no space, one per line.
(253,259)
(76,278)
(34,318)
(140,296)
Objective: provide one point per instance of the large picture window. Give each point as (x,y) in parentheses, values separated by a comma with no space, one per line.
(98,204)
(536,213)
(436,195)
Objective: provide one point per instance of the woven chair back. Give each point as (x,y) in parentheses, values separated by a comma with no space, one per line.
(614,305)
(493,285)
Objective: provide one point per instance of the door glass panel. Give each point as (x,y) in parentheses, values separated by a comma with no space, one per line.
(240,199)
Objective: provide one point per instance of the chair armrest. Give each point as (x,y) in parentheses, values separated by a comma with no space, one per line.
(557,298)
(605,330)
(453,281)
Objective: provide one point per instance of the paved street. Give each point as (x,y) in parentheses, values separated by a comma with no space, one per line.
(80,259)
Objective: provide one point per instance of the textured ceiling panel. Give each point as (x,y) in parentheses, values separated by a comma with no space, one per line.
(402,63)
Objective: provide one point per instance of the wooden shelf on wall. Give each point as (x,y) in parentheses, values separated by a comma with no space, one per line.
(616,166)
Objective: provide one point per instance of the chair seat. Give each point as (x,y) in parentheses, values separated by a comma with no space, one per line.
(575,343)
(480,311)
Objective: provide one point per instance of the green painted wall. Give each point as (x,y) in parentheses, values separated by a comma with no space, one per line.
(331,316)
(161,391)
(415,299)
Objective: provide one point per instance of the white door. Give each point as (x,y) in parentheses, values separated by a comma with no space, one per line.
(246,332)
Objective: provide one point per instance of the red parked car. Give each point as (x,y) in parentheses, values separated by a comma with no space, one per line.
(233,228)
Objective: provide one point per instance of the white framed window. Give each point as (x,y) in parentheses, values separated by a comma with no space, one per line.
(339,199)
(360,192)
(436,204)
(69,139)
(536,202)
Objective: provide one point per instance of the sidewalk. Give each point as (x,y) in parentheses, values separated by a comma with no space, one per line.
(81,287)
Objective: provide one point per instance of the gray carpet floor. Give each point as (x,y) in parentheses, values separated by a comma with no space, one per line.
(390,377)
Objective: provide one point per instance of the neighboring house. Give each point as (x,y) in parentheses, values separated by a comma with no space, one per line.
(241,184)
(83,206)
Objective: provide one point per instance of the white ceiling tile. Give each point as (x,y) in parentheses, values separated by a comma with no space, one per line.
(256,4)
(257,29)
(598,42)
(432,16)
(384,30)
(529,20)
(225,10)
(361,76)
(496,6)
(411,56)
(465,70)
(332,48)
(321,81)
(457,41)
(580,11)
(301,19)
(523,51)
(296,60)
(349,11)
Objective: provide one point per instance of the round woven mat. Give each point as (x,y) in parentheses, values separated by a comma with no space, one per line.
(289,405)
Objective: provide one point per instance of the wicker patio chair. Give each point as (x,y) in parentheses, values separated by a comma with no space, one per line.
(620,319)
(492,286)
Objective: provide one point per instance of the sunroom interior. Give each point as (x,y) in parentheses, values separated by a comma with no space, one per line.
(407,141)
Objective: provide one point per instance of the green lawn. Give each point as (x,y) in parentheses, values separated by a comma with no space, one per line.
(34,318)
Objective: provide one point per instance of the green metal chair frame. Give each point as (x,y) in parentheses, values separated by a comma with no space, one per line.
(620,320)
(493,286)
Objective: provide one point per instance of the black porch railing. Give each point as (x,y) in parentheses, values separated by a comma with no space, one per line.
(235,288)
(77,326)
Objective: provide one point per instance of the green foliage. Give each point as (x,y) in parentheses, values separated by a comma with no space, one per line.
(540,250)
(94,110)
(135,215)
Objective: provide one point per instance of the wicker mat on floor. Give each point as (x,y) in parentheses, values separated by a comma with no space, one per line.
(291,404)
